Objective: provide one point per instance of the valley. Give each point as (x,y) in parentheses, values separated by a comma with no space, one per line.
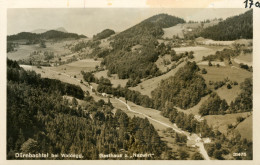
(192,90)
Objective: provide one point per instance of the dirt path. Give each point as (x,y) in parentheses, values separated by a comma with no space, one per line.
(199,144)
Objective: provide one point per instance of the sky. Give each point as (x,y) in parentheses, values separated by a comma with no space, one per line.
(90,21)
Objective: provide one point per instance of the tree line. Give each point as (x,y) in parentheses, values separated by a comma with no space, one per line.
(33,38)
(232,28)
(42,120)
(184,89)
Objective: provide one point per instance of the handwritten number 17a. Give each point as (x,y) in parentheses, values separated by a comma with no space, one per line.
(250,3)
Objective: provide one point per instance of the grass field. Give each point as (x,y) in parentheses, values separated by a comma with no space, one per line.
(23,51)
(245,128)
(147,86)
(75,68)
(195,109)
(178,29)
(114,78)
(221,122)
(212,62)
(66,72)
(200,51)
(220,73)
(228,94)
(245,59)
(161,65)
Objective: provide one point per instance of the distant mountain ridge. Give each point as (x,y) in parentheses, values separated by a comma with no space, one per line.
(38,31)
(164,20)
(51,34)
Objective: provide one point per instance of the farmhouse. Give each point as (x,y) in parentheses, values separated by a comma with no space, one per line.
(191,143)
(192,140)
(198,118)
(206,140)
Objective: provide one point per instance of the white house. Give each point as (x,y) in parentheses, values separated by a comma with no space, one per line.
(206,140)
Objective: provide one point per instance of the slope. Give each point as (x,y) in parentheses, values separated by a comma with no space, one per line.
(232,28)
(139,63)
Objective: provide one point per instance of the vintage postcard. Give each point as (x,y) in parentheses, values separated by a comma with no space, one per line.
(91,82)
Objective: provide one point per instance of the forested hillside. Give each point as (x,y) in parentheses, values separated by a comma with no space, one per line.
(164,20)
(140,62)
(183,90)
(244,101)
(104,34)
(232,28)
(51,34)
(41,120)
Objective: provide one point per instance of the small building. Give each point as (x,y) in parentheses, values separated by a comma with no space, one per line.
(191,143)
(198,118)
(206,140)
(194,137)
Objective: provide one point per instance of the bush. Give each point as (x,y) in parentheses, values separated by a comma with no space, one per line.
(229,86)
(240,119)
(204,71)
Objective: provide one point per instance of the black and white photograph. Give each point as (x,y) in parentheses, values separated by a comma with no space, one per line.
(129,84)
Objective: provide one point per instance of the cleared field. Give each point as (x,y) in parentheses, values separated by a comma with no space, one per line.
(220,122)
(114,78)
(200,51)
(66,72)
(180,29)
(174,31)
(161,63)
(195,109)
(27,67)
(212,42)
(23,51)
(205,41)
(246,42)
(245,128)
(212,62)
(220,73)
(228,94)
(147,86)
(245,59)
(75,68)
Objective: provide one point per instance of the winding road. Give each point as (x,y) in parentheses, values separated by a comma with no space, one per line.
(199,144)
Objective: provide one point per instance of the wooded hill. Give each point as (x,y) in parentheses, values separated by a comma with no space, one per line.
(232,28)
(51,34)
(139,63)
(183,90)
(104,34)
(41,120)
